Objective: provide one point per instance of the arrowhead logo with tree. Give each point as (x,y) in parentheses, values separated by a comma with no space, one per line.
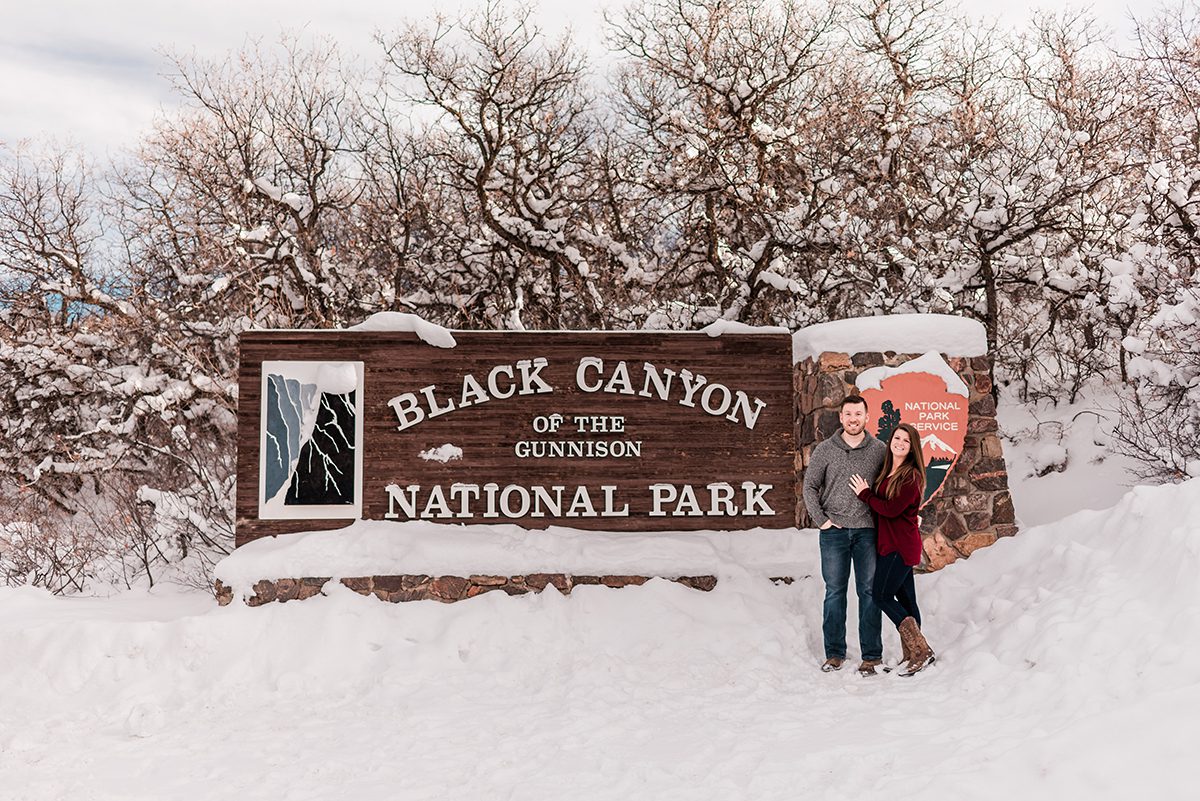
(928,394)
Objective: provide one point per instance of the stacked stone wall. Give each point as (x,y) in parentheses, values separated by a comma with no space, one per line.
(973,508)
(446,589)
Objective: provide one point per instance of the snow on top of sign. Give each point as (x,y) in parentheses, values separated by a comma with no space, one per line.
(380,547)
(430,333)
(900,333)
(719,327)
(444,453)
(931,362)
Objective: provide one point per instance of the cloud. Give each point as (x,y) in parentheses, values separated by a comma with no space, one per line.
(92,108)
(91,71)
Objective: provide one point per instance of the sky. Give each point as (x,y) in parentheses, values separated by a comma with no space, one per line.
(95,74)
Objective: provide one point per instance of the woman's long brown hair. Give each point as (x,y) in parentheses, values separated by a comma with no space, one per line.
(913,468)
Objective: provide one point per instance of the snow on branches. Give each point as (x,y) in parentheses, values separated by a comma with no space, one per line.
(763,164)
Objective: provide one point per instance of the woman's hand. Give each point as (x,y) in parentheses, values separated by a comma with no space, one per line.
(858,483)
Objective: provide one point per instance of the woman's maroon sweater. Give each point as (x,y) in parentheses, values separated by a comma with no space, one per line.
(896,520)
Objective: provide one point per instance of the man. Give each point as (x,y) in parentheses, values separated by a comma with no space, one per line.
(847,533)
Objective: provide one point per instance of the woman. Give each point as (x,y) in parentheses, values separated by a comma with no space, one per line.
(895,500)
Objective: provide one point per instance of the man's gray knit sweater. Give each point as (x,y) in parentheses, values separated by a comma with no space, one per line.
(827,493)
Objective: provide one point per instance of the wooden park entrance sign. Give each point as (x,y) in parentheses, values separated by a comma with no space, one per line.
(614,431)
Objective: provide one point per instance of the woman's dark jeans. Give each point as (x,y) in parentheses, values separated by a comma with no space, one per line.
(893,589)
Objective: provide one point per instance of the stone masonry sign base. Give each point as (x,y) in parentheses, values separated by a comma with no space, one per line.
(973,508)
(446,589)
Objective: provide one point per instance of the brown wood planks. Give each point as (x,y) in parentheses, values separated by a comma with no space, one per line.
(679,445)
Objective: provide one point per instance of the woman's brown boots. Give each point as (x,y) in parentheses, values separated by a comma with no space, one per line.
(917,653)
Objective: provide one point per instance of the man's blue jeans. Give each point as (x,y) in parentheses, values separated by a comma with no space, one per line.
(841,547)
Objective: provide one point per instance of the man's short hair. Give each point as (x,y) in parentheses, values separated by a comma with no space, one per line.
(849,399)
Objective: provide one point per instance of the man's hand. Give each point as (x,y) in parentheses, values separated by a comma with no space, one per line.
(858,483)
(826,524)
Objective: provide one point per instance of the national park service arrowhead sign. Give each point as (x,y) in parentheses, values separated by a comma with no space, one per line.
(927,394)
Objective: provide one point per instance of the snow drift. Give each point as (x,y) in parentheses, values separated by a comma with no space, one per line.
(1069,665)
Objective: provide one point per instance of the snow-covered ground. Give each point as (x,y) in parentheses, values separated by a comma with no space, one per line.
(1069,666)
(1062,458)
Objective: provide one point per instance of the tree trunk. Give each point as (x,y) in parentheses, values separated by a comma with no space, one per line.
(990,316)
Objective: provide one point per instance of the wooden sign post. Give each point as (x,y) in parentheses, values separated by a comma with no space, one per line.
(613,431)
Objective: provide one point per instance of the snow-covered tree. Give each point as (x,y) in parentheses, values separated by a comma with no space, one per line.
(735,158)
(778,163)
(102,383)
(1161,424)
(510,139)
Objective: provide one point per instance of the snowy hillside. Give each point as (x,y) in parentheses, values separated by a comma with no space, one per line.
(1068,668)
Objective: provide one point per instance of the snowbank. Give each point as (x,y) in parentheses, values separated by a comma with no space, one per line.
(901,333)
(430,333)
(1069,666)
